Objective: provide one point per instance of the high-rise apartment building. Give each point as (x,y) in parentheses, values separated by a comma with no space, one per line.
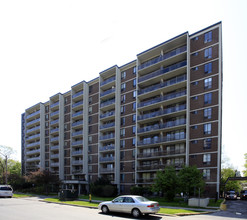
(164,108)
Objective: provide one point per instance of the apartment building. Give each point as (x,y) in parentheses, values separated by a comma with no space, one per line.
(164,108)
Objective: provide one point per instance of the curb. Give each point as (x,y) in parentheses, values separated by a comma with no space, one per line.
(223,206)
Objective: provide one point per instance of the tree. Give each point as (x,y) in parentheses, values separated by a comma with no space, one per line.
(245,165)
(190,180)
(231,185)
(166,182)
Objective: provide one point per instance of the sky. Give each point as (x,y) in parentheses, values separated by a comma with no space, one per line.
(50,45)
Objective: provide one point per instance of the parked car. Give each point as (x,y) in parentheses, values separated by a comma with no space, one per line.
(243,194)
(6,191)
(231,195)
(135,205)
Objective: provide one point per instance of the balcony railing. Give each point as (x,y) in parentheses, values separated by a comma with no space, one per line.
(54,104)
(77,152)
(33,144)
(54,156)
(108,136)
(77,94)
(76,133)
(155,140)
(162,98)
(109,91)
(106,159)
(77,113)
(55,113)
(77,162)
(169,124)
(162,71)
(108,80)
(33,121)
(33,152)
(158,166)
(108,102)
(54,139)
(107,148)
(54,122)
(32,159)
(77,143)
(33,136)
(33,129)
(55,164)
(77,123)
(108,114)
(33,114)
(55,147)
(107,170)
(77,104)
(107,125)
(164,57)
(162,112)
(54,130)
(160,153)
(163,85)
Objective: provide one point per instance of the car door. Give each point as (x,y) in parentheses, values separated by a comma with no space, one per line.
(128,204)
(117,205)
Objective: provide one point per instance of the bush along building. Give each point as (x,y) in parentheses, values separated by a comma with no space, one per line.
(164,108)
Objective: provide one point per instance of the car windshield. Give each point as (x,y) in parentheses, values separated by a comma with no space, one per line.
(142,199)
(5,188)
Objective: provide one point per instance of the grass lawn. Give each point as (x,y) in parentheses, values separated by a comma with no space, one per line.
(82,203)
(21,195)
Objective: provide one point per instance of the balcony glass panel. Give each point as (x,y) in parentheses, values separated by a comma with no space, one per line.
(54,122)
(74,143)
(108,136)
(77,104)
(77,94)
(77,113)
(33,121)
(107,148)
(109,91)
(77,133)
(106,159)
(77,123)
(108,80)
(54,104)
(107,114)
(107,125)
(33,114)
(55,113)
(108,102)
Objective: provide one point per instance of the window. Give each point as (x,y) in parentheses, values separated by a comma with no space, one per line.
(90,99)
(90,168)
(208,37)
(122,153)
(134,129)
(208,113)
(46,125)
(207,143)
(194,112)
(46,117)
(195,83)
(123,75)
(194,127)
(134,83)
(133,153)
(133,141)
(123,86)
(195,38)
(122,143)
(90,110)
(195,68)
(123,121)
(121,177)
(134,94)
(195,98)
(206,158)
(89,119)
(90,89)
(90,139)
(121,166)
(122,132)
(208,68)
(134,70)
(133,118)
(206,174)
(207,128)
(195,54)
(208,53)
(122,109)
(194,142)
(208,98)
(134,106)
(90,129)
(123,98)
(208,83)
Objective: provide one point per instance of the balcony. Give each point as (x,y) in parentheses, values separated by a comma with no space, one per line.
(106,137)
(77,171)
(75,143)
(54,130)
(54,139)
(37,143)
(108,114)
(108,125)
(156,127)
(108,102)
(77,133)
(107,92)
(33,114)
(167,83)
(55,147)
(33,122)
(77,162)
(106,159)
(32,159)
(33,152)
(111,79)
(158,166)
(33,137)
(56,104)
(80,113)
(164,57)
(54,164)
(145,180)
(54,113)
(162,112)
(107,148)
(33,129)
(162,98)
(107,170)
(77,104)
(160,153)
(77,123)
(156,140)
(162,71)
(77,152)
(77,94)
(53,156)
(54,122)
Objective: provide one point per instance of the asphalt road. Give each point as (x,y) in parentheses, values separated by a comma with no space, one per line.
(33,209)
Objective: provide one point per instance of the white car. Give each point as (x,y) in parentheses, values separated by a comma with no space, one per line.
(6,191)
(135,205)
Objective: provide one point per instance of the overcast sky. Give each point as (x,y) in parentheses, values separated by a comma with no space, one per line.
(50,45)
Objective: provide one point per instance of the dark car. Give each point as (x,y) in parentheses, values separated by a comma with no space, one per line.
(243,194)
(231,195)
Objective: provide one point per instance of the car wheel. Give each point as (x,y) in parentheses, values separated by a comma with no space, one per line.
(136,213)
(104,209)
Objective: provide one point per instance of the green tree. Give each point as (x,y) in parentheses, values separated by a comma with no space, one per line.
(231,185)
(245,165)
(190,180)
(166,182)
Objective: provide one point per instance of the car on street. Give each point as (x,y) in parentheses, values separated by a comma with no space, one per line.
(231,195)
(6,191)
(135,205)
(243,194)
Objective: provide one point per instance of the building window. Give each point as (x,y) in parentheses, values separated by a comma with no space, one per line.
(195,38)
(208,68)
(123,98)
(122,132)
(90,89)
(208,83)
(122,143)
(89,119)
(46,124)
(90,99)
(134,94)
(134,106)
(194,112)
(121,166)
(207,128)
(123,75)
(133,153)
(195,98)
(208,53)
(208,113)
(207,143)
(195,68)
(46,117)
(194,142)
(195,54)
(206,174)
(122,109)
(122,155)
(134,83)
(134,70)
(133,118)
(90,168)
(194,127)
(195,83)
(208,37)
(90,110)
(206,159)
(133,141)
(123,121)
(90,139)
(122,178)
(123,87)
(208,98)
(133,129)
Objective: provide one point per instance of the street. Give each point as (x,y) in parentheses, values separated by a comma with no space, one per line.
(33,208)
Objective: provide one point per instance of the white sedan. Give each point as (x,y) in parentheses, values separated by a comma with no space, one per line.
(135,205)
